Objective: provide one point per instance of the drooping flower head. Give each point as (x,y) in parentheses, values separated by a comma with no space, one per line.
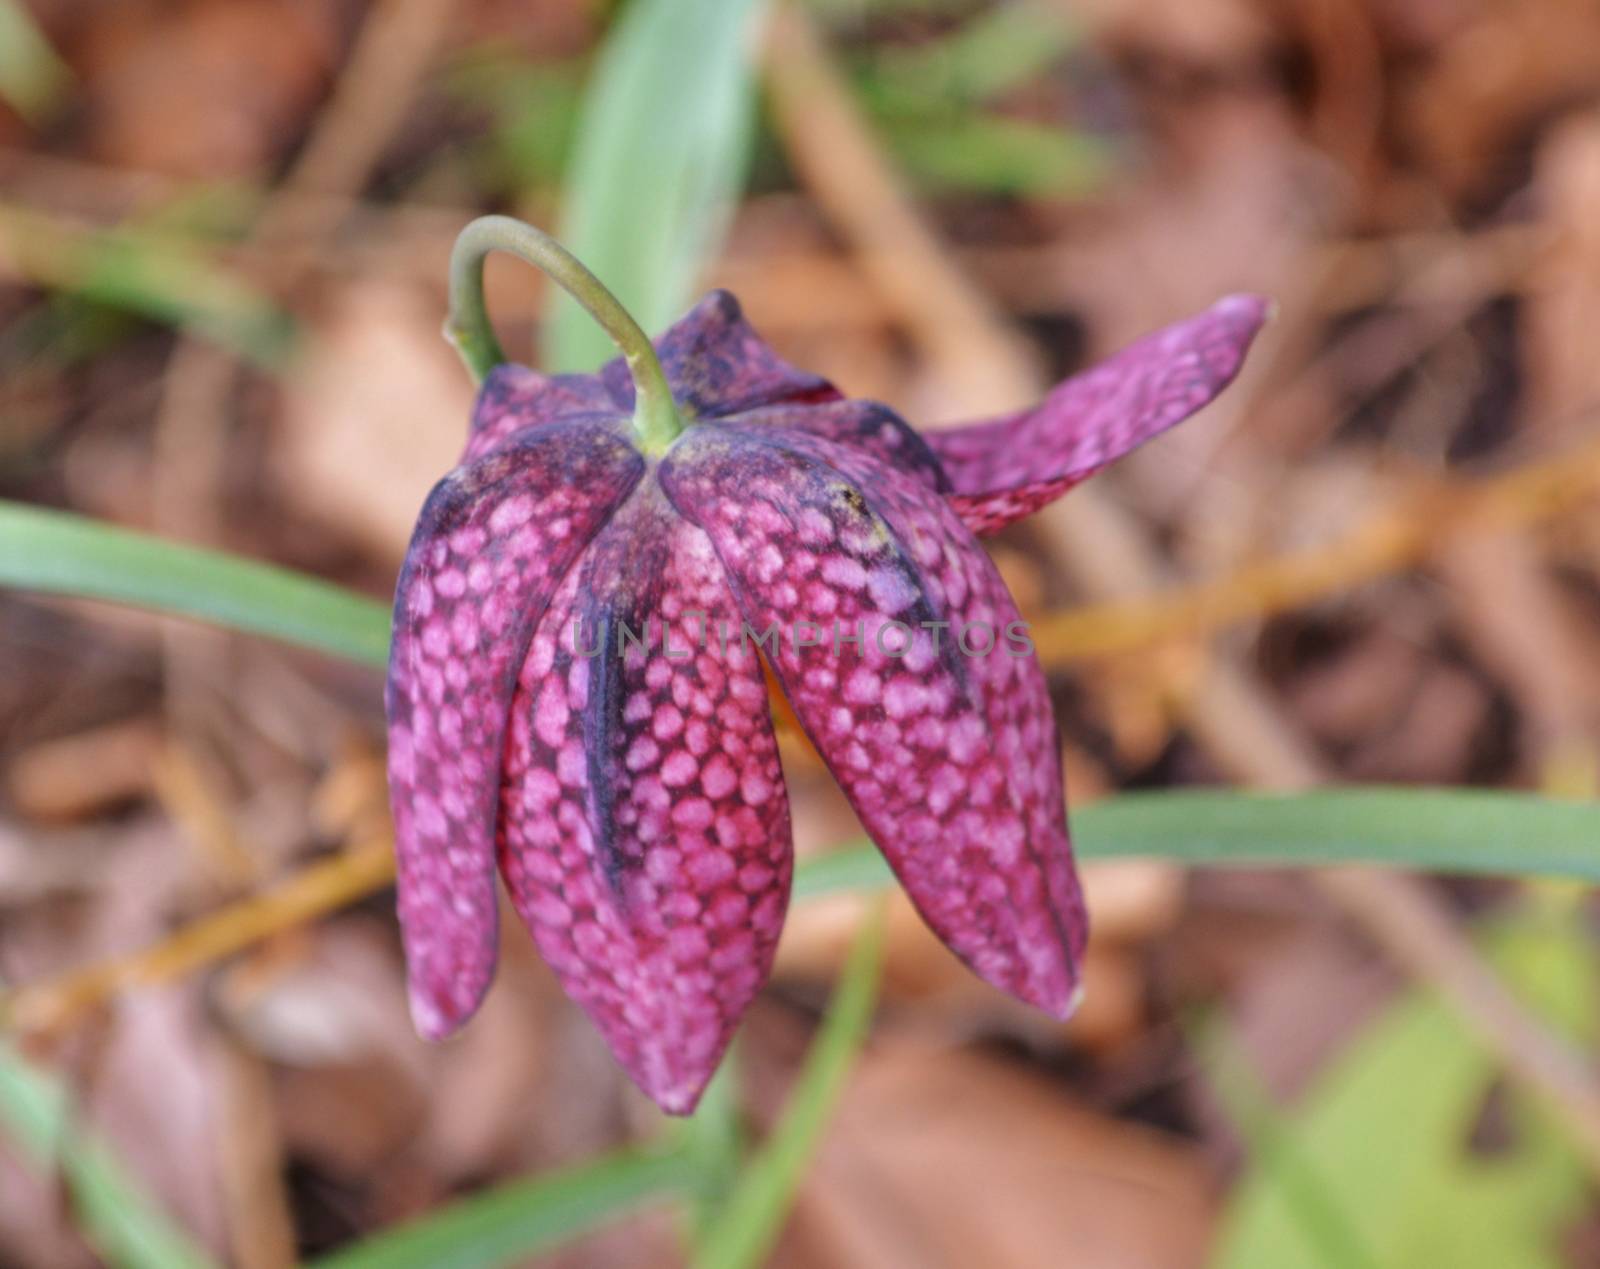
(576,696)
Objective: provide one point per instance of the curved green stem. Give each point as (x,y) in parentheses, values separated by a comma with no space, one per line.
(656,420)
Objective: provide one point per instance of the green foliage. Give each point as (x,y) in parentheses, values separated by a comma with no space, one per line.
(996,52)
(748,1224)
(1382,1141)
(32,78)
(141,270)
(509,1223)
(662,144)
(713,1142)
(59,553)
(533,112)
(116,1217)
(931,103)
(999,156)
(1442,830)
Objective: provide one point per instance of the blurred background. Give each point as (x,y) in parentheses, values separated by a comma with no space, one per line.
(224,226)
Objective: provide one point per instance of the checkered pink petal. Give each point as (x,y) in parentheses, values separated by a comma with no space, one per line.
(718,365)
(1007,468)
(575,692)
(867,425)
(494,540)
(939,731)
(644,823)
(514,399)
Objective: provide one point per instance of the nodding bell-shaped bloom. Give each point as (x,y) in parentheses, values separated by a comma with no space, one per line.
(576,697)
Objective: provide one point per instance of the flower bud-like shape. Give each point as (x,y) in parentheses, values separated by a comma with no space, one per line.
(576,696)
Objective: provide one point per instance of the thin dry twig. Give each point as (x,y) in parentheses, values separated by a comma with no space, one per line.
(49,1008)
(838,161)
(1387,541)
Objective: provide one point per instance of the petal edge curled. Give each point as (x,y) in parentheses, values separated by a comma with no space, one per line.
(1004,469)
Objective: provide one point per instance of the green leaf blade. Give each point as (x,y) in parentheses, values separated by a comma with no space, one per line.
(1383,1134)
(662,144)
(55,552)
(507,1224)
(748,1226)
(114,1215)
(1488,832)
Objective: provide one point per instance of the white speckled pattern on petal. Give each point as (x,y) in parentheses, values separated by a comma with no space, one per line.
(645,826)
(1004,469)
(634,795)
(948,752)
(493,542)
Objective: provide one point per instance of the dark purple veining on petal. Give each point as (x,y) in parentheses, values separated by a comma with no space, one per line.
(493,542)
(950,759)
(645,826)
(717,365)
(867,425)
(1004,469)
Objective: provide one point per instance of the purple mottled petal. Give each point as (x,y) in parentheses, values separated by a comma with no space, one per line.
(717,365)
(1004,469)
(514,398)
(494,540)
(867,425)
(949,752)
(644,822)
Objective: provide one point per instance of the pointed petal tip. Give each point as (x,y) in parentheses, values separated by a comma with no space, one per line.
(1064,1007)
(1003,469)
(679,1099)
(1247,308)
(1053,982)
(1052,993)
(724,302)
(437,1014)
(672,1074)
(428,1020)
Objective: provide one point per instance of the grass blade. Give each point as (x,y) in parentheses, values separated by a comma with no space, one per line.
(33,78)
(1276,1152)
(1483,831)
(1437,830)
(662,143)
(750,1223)
(116,1218)
(154,276)
(511,1222)
(713,1145)
(61,553)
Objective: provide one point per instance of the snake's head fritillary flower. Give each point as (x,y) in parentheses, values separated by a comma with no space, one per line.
(576,695)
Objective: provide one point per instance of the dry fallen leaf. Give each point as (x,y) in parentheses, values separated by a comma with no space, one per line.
(949,1159)
(85,773)
(203,90)
(376,416)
